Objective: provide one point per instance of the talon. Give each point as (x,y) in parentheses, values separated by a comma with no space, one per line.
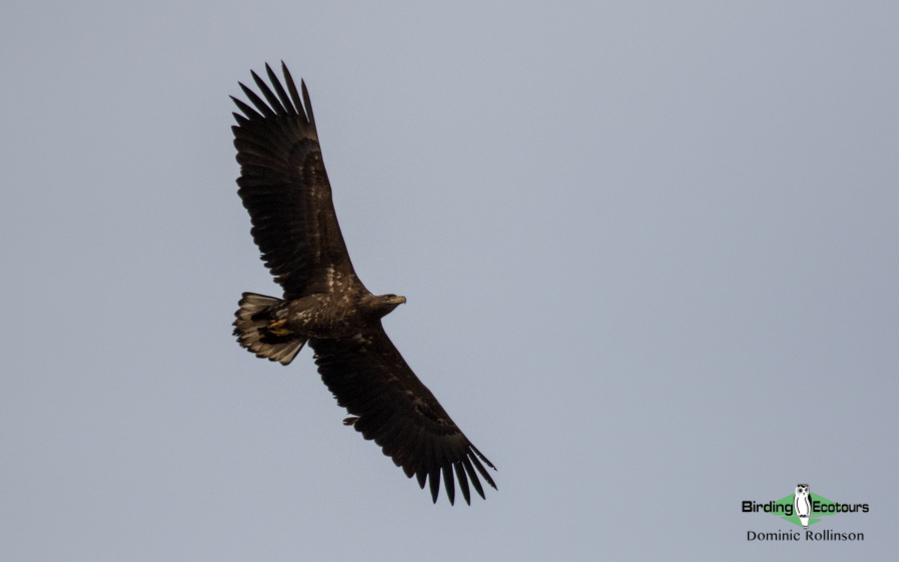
(277,328)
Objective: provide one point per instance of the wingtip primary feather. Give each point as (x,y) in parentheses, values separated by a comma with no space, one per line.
(248,111)
(270,97)
(434,480)
(294,95)
(282,95)
(463,481)
(483,470)
(473,477)
(307,102)
(449,483)
(263,107)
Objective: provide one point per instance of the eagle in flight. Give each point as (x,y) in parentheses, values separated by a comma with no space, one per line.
(284,186)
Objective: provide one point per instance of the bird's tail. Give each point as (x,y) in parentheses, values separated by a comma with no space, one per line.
(253,329)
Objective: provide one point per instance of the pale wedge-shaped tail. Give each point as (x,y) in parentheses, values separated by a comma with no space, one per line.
(252,329)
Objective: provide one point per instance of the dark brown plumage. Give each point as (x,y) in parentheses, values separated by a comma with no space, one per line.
(284,186)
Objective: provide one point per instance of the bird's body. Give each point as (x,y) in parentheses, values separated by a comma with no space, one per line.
(265,321)
(285,188)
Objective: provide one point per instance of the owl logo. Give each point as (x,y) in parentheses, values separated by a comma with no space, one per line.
(802,504)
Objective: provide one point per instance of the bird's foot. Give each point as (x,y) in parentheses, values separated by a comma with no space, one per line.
(278,328)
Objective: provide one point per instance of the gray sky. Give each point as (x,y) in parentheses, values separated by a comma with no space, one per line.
(649,251)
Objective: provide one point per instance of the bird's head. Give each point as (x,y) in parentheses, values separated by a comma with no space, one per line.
(384,304)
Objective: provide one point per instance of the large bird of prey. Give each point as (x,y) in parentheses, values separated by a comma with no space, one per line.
(284,187)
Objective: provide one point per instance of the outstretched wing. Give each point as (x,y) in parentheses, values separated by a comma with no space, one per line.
(369,377)
(284,186)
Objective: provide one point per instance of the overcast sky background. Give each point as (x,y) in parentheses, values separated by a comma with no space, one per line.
(649,251)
